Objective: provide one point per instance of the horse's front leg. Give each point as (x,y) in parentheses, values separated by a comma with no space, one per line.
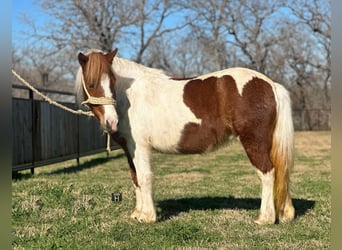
(129,149)
(145,210)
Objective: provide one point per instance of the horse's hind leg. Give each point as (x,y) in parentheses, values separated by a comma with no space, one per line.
(267,214)
(288,213)
(259,155)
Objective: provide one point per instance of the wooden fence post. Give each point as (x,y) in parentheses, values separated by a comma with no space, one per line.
(33,129)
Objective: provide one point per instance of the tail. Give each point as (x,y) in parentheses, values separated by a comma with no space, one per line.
(282,154)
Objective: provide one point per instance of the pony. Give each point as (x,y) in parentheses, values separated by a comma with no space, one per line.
(144,109)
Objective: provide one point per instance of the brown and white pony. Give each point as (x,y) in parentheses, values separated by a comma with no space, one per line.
(150,110)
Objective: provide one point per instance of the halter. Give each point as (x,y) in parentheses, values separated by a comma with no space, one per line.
(98,101)
(95,100)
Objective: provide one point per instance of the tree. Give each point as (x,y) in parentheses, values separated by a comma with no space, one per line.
(317,17)
(287,40)
(88,24)
(150,26)
(306,56)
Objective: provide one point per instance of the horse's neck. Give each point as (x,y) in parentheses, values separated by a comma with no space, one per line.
(128,69)
(123,68)
(126,73)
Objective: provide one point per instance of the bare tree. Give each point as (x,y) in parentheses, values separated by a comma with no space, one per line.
(233,32)
(207,33)
(317,17)
(151,23)
(88,24)
(287,40)
(51,48)
(252,34)
(80,25)
(304,53)
(177,57)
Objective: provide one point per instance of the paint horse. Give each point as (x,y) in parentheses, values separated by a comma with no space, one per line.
(145,109)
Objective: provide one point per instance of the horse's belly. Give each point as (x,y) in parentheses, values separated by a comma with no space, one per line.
(190,138)
(199,138)
(165,138)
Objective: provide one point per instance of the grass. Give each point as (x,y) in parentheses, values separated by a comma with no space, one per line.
(203,202)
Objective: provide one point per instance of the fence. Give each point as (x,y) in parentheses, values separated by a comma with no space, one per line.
(45,134)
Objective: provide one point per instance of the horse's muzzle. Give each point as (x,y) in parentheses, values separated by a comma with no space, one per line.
(111,126)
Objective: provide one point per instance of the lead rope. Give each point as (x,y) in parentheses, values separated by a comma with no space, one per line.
(91,100)
(49,100)
(108,142)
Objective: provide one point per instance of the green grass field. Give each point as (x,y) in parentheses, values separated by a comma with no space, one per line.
(203,202)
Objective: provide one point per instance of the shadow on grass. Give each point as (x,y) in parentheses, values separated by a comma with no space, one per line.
(18,176)
(172,207)
(72,169)
(87,165)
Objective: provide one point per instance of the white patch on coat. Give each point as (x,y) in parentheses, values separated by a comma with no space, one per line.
(267,209)
(110,115)
(145,210)
(158,112)
(240,75)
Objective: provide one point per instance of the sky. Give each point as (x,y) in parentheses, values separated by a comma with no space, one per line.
(33,11)
(27,7)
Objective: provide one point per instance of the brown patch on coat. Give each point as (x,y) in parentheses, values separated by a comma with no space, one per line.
(223,111)
(204,99)
(255,122)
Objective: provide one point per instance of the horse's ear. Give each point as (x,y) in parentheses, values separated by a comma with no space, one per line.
(110,56)
(82,59)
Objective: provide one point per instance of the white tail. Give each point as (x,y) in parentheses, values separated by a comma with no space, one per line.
(282,154)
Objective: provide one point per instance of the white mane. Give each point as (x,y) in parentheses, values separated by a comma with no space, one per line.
(129,69)
(79,87)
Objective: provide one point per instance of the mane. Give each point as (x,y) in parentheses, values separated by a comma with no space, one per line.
(129,69)
(78,87)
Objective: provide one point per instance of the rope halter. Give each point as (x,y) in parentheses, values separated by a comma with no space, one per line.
(95,100)
(98,101)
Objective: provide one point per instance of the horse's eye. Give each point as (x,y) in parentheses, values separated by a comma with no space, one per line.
(91,85)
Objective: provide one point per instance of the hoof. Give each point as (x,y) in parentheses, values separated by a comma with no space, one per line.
(135,214)
(262,220)
(288,215)
(144,217)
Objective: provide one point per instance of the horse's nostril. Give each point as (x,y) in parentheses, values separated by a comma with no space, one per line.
(111,125)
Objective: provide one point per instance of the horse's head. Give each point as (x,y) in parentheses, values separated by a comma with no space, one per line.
(96,87)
